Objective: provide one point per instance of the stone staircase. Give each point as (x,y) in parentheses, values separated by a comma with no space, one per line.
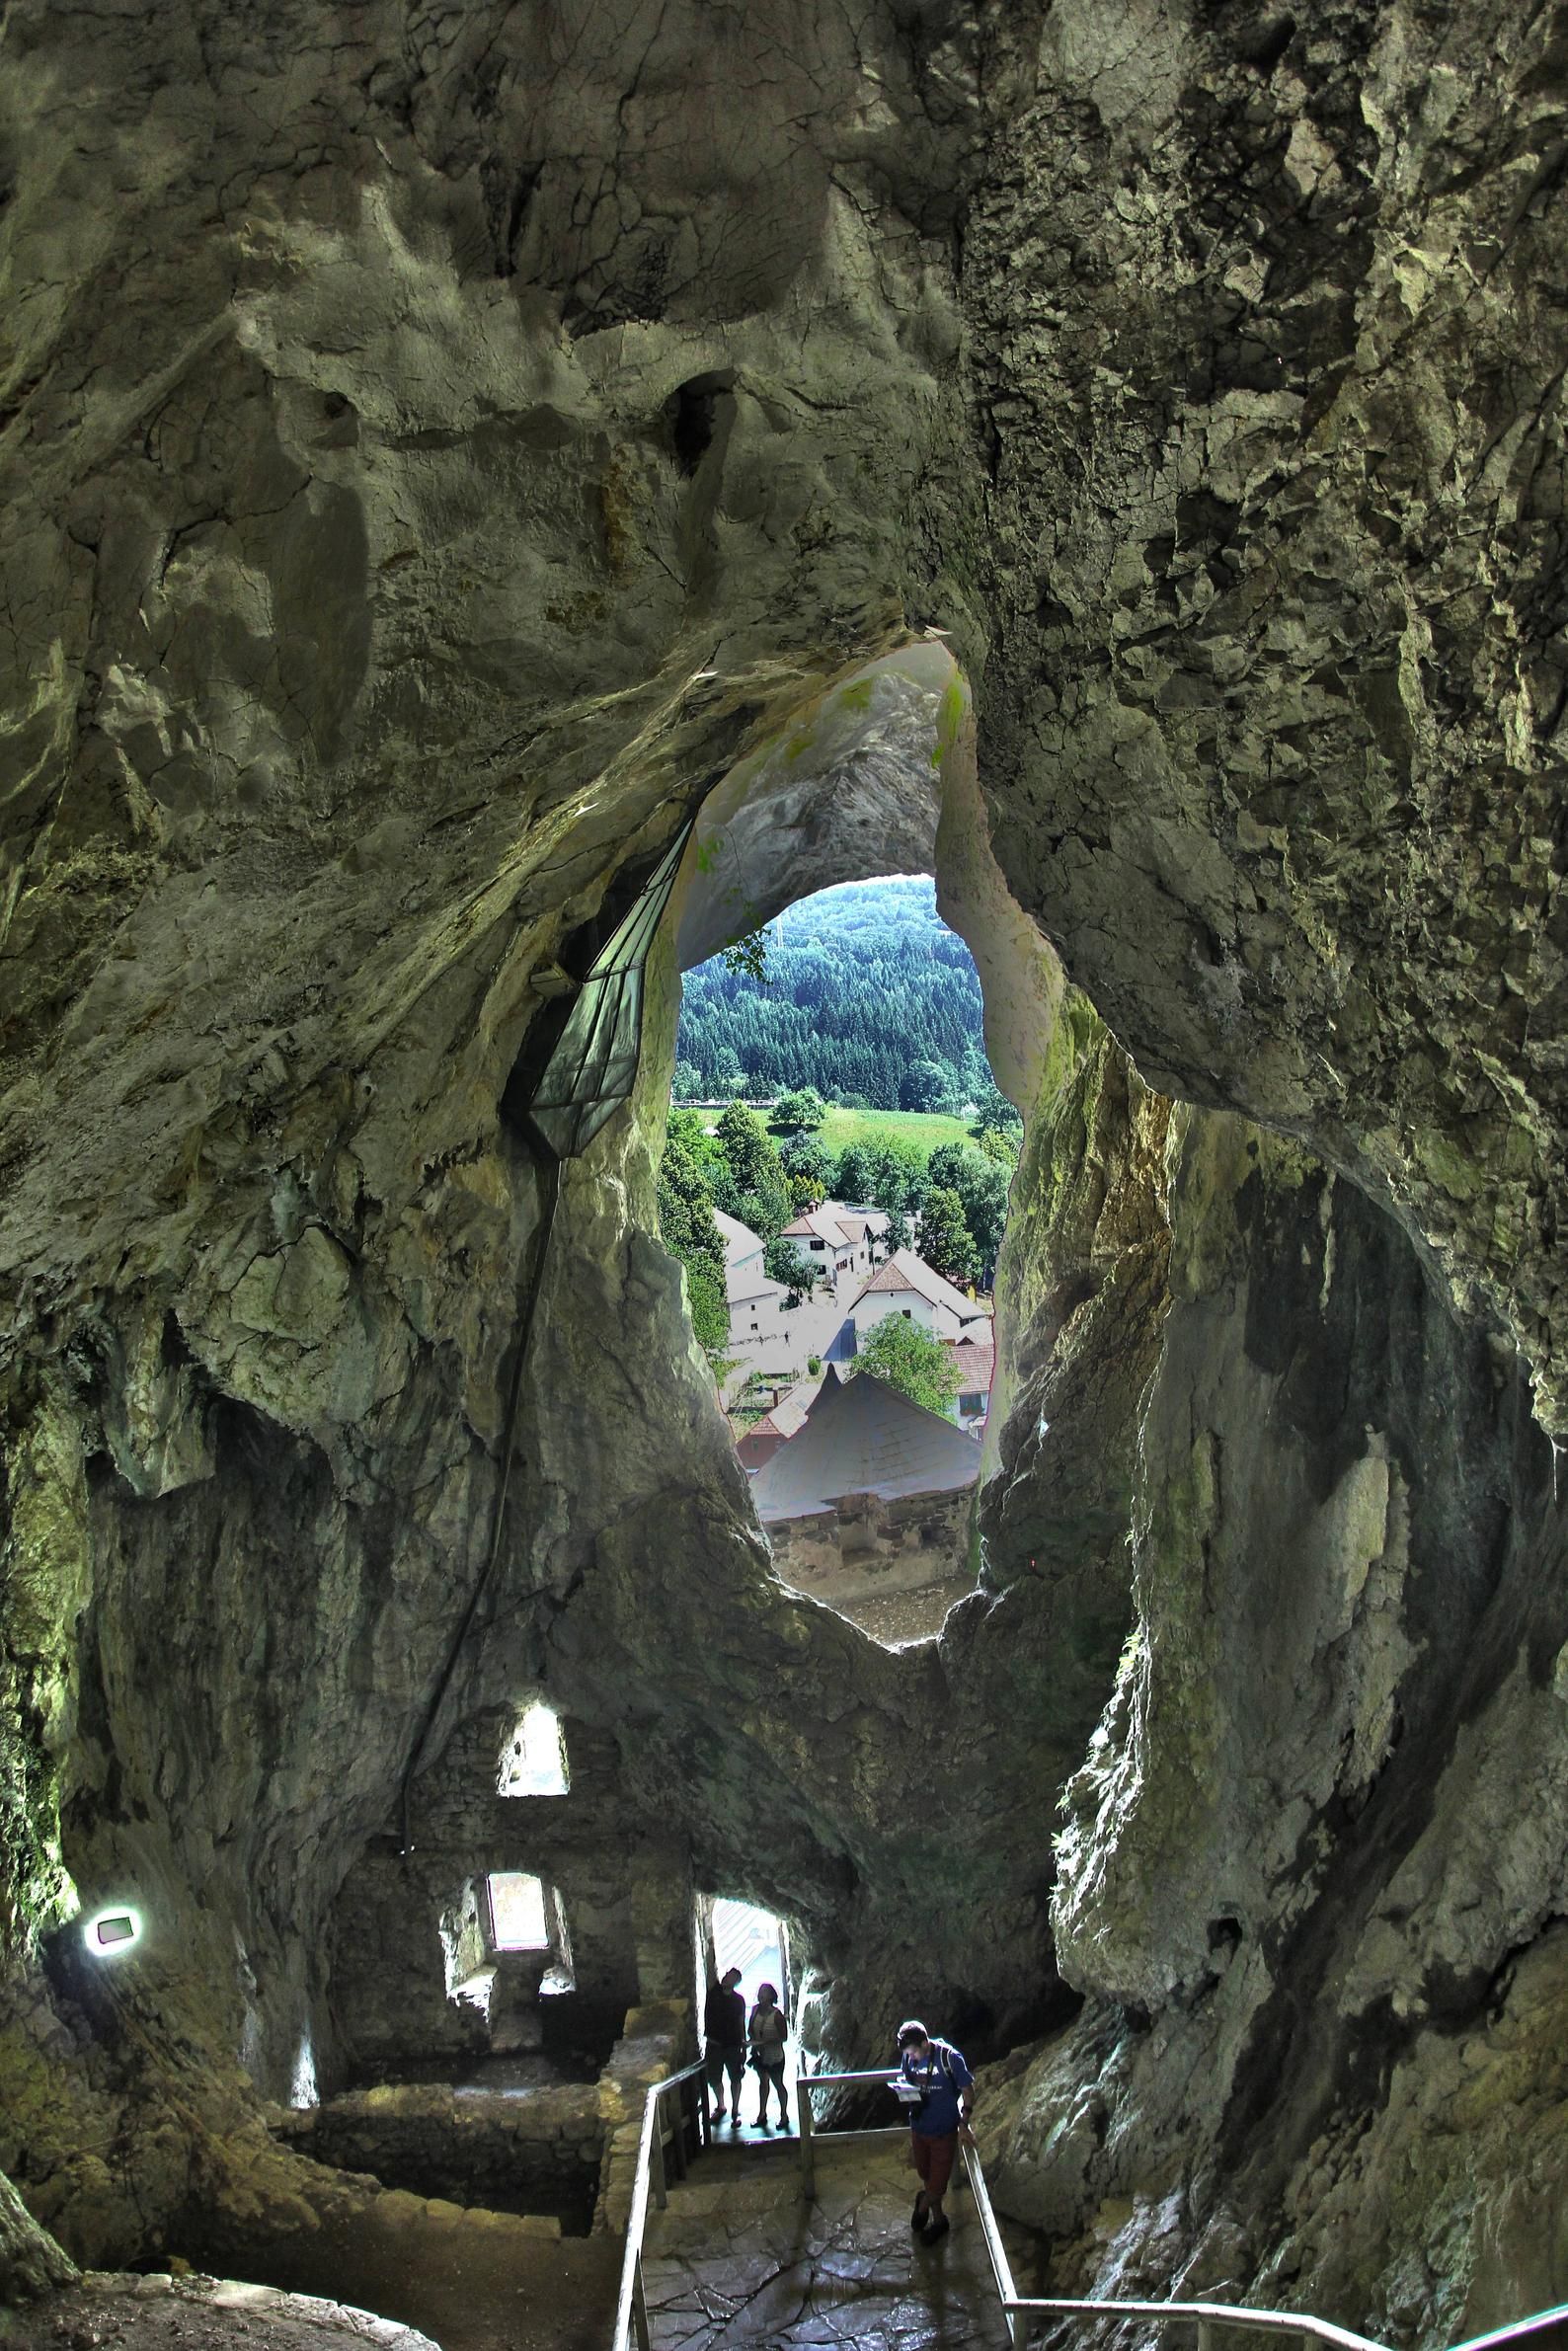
(738,2257)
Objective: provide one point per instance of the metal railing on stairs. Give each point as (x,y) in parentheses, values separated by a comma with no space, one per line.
(1020,2311)
(662,2130)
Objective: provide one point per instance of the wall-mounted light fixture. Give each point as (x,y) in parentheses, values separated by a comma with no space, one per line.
(109,1932)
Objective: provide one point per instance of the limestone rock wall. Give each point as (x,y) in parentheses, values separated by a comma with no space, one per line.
(1267,381)
(1339,1696)
(623,1897)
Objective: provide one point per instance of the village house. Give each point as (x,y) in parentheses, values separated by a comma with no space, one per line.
(842,1240)
(907,1285)
(759,1329)
(974,1357)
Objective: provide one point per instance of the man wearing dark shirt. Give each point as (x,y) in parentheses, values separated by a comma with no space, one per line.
(936,2071)
(724,2039)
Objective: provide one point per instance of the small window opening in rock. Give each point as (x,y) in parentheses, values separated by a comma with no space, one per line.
(533,1759)
(518,1921)
(302,2089)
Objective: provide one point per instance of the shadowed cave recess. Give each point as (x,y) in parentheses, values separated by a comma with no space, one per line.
(1110,456)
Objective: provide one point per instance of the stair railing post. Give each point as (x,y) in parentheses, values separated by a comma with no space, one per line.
(1205,2334)
(660,2188)
(803,2107)
(640,2307)
(677,2136)
(1016,2322)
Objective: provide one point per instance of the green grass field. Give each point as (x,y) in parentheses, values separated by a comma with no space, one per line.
(925,1128)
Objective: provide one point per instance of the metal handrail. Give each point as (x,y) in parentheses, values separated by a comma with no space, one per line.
(631,2309)
(1017,2309)
(1535,2323)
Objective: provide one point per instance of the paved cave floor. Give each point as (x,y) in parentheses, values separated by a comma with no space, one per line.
(740,2259)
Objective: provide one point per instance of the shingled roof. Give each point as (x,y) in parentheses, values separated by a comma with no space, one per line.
(862,1437)
(904,1271)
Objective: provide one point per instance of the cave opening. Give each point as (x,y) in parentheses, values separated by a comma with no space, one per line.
(748,1946)
(839,1147)
(832,1100)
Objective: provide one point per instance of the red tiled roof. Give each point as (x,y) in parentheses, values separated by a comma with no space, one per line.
(976,1361)
(904,1271)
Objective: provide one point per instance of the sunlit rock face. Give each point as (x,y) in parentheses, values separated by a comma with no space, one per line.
(1320,1819)
(435,454)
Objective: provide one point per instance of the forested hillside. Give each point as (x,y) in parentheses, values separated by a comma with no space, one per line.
(868,996)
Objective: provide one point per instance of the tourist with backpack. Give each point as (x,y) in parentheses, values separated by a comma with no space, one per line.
(938,2089)
(767,2033)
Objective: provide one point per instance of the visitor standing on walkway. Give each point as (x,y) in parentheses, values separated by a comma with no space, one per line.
(724,2039)
(767,2032)
(937,2085)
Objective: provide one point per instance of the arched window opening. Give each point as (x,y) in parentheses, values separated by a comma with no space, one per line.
(533,1759)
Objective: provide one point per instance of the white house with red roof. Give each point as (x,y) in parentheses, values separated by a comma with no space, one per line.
(907,1285)
(974,1358)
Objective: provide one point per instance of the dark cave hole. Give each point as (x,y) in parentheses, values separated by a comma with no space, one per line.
(692,413)
(1264,45)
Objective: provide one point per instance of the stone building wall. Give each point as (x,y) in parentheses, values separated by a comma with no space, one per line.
(871,1550)
(622,1898)
(534,2154)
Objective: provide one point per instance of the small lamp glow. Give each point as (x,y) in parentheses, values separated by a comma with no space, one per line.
(109,1932)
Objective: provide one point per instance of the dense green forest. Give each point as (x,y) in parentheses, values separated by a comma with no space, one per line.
(867,996)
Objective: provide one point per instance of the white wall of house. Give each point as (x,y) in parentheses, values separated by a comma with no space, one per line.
(879,1303)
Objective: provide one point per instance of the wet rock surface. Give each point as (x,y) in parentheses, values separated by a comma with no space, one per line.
(743,2259)
(436,451)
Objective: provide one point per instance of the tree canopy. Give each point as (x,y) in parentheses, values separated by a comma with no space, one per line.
(866,993)
(911,1360)
(946,1242)
(685,1220)
(751,1181)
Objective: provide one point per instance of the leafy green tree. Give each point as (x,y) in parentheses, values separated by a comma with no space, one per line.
(747,957)
(852,1176)
(783,1262)
(803,1108)
(1002,1144)
(897,1185)
(687,1082)
(756,1182)
(728,1077)
(809,1165)
(685,1222)
(980,1184)
(686,1127)
(994,1114)
(911,1360)
(925,1086)
(946,1242)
